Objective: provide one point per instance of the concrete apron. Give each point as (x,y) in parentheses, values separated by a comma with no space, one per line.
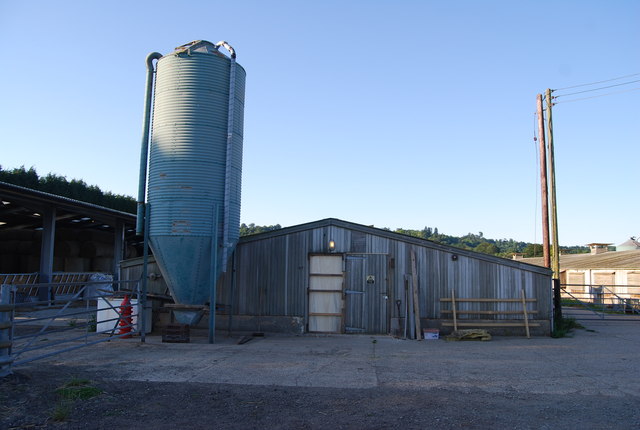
(602,361)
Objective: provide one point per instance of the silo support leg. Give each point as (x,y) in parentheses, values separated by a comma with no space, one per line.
(214,276)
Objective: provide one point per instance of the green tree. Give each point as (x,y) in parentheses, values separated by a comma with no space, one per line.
(427,232)
(487,248)
(246,230)
(75,189)
(532,250)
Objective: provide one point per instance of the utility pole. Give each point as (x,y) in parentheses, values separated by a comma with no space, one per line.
(555,263)
(543,185)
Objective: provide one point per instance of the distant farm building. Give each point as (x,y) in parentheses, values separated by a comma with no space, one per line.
(601,276)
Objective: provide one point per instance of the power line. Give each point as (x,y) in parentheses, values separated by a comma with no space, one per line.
(599,95)
(597,89)
(597,82)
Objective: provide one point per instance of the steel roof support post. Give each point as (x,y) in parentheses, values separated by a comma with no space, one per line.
(233,292)
(142,300)
(118,248)
(46,253)
(213,276)
(6,326)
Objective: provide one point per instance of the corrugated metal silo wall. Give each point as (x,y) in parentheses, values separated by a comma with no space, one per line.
(188,167)
(273,274)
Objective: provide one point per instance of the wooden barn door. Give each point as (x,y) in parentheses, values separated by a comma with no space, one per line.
(575,281)
(366,295)
(325,293)
(601,291)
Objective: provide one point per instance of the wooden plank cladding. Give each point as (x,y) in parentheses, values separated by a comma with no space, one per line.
(276,274)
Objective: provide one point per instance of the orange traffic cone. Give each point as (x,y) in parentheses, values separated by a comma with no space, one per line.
(126,321)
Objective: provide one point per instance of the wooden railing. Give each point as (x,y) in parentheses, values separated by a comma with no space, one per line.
(494,322)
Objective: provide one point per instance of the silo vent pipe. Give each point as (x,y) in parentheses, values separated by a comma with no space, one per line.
(144,150)
(227,47)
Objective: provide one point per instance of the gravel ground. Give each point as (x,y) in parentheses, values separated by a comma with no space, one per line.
(29,400)
(589,381)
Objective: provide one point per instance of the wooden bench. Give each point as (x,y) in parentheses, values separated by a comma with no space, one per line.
(489,323)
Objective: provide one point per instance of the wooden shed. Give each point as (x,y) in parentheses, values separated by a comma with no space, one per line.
(333,276)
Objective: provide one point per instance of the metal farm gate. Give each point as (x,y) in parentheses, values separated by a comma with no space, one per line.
(601,301)
(73,314)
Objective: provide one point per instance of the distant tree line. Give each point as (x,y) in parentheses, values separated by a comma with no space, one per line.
(246,230)
(477,242)
(474,242)
(75,189)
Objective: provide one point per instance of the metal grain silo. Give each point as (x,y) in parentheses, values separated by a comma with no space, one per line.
(194,166)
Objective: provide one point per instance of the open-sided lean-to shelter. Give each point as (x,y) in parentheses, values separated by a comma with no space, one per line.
(292,280)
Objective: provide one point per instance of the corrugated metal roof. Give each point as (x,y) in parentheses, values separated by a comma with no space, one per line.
(11,192)
(631,243)
(396,236)
(606,260)
(21,209)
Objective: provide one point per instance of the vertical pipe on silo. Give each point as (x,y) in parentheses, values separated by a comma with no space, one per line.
(228,170)
(144,150)
(229,159)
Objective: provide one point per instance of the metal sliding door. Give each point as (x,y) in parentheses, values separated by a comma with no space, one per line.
(366,294)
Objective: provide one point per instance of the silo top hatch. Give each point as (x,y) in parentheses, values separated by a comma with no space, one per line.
(205,47)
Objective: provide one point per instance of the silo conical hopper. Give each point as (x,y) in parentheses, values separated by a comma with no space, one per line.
(194,167)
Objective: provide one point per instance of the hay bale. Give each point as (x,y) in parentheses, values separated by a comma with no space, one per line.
(471,334)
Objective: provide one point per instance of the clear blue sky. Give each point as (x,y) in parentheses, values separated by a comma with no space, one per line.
(387,113)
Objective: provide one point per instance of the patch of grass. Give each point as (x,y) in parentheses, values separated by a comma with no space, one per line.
(77,382)
(92,323)
(78,389)
(62,411)
(564,326)
(570,302)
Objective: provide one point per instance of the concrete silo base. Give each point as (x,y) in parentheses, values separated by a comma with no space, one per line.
(270,324)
